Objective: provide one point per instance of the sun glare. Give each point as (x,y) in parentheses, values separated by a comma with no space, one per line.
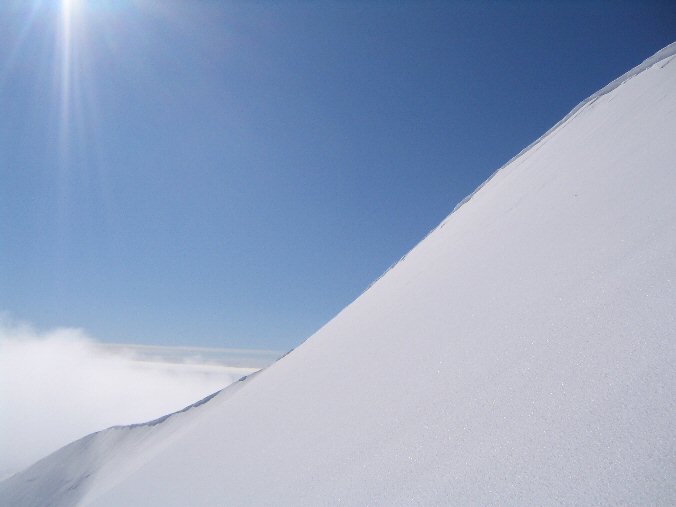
(66,45)
(68,5)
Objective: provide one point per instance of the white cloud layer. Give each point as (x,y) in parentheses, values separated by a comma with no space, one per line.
(60,385)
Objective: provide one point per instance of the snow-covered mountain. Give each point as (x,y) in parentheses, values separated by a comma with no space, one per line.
(522,354)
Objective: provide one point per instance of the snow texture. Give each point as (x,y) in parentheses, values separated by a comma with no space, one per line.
(522,354)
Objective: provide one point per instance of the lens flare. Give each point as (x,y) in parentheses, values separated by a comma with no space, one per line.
(67,47)
(80,53)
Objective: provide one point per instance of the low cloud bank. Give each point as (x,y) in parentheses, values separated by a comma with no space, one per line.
(60,385)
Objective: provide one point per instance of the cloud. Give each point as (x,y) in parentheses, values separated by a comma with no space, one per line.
(60,385)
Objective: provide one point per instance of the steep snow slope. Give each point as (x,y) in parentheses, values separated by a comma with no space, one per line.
(522,354)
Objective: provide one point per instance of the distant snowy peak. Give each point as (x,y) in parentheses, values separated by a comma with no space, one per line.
(65,476)
(521,354)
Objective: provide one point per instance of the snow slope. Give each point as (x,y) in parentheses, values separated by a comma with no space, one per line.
(523,354)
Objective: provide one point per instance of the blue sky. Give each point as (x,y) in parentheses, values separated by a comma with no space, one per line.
(233,174)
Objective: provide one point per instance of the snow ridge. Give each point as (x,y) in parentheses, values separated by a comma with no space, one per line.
(66,485)
(663,54)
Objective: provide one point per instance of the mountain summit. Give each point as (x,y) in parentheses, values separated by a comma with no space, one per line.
(523,354)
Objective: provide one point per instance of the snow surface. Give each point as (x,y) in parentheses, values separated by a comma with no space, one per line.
(535,327)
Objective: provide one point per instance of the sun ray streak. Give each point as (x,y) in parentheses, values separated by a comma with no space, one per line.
(65,81)
(66,78)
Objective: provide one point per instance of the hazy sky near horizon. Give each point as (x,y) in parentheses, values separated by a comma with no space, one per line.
(233,174)
(81,386)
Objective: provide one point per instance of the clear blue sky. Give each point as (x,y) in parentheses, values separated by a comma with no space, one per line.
(233,174)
